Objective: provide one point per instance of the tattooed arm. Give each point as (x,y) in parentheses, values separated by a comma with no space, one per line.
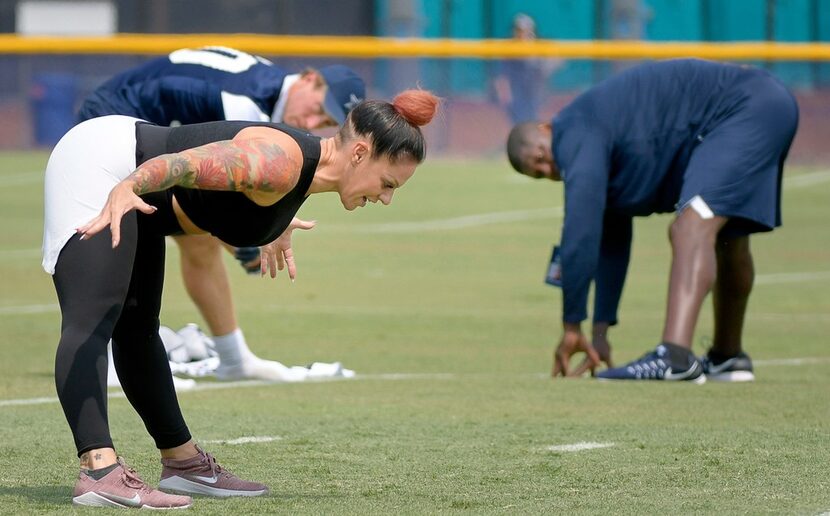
(253,163)
(242,165)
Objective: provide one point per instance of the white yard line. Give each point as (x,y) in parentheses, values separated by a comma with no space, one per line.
(462,222)
(245,440)
(29,309)
(791,277)
(580,446)
(792,361)
(211,385)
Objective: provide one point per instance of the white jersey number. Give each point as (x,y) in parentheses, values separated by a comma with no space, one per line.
(226,60)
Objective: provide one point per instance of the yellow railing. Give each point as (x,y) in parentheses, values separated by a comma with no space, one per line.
(371,47)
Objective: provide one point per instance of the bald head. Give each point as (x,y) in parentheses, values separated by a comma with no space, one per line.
(519,138)
(528,150)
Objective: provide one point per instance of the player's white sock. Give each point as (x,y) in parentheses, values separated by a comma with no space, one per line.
(232,348)
(237,361)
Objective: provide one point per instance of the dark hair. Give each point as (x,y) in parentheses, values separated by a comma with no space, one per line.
(394,127)
(517,140)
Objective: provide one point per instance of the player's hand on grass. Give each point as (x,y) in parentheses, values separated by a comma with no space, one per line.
(573,341)
(603,348)
(278,254)
(122,199)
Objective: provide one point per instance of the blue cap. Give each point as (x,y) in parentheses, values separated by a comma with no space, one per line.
(345,90)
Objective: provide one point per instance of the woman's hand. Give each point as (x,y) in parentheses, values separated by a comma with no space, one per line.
(121,200)
(278,254)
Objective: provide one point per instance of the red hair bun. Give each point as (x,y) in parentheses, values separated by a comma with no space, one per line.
(417,107)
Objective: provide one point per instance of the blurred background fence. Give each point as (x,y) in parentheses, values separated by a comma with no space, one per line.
(42,81)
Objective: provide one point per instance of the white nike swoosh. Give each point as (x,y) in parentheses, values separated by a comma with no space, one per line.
(716,369)
(669,375)
(208,480)
(134,501)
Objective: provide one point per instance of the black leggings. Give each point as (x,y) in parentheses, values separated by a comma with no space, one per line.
(114,293)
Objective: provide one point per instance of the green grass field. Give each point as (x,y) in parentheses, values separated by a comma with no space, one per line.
(438,303)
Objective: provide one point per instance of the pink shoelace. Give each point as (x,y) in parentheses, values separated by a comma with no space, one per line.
(130,477)
(214,466)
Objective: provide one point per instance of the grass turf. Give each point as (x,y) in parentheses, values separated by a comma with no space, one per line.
(455,307)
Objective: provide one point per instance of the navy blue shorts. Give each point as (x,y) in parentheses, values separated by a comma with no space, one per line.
(737,168)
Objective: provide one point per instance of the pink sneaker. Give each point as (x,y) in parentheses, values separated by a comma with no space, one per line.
(202,475)
(123,488)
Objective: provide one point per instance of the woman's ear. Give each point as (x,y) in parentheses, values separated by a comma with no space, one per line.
(360,152)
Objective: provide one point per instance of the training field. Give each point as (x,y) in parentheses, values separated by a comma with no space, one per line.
(438,303)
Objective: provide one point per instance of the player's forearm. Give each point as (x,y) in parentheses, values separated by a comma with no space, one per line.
(226,165)
(161,173)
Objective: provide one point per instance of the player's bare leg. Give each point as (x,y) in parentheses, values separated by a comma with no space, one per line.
(693,272)
(726,361)
(736,273)
(207,282)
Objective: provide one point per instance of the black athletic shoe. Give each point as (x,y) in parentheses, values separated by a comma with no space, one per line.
(666,362)
(735,369)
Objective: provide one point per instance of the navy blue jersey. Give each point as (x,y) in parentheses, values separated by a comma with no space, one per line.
(623,148)
(191,86)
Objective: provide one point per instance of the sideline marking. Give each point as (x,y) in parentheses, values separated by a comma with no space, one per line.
(28,309)
(791,277)
(792,361)
(245,440)
(578,446)
(29,401)
(211,385)
(465,221)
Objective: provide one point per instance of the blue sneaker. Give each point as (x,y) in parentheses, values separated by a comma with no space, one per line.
(734,369)
(667,362)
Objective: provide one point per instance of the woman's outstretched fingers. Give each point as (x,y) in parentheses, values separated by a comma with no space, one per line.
(272,266)
(289,262)
(263,262)
(145,208)
(303,224)
(93,227)
(115,229)
(280,260)
(115,223)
